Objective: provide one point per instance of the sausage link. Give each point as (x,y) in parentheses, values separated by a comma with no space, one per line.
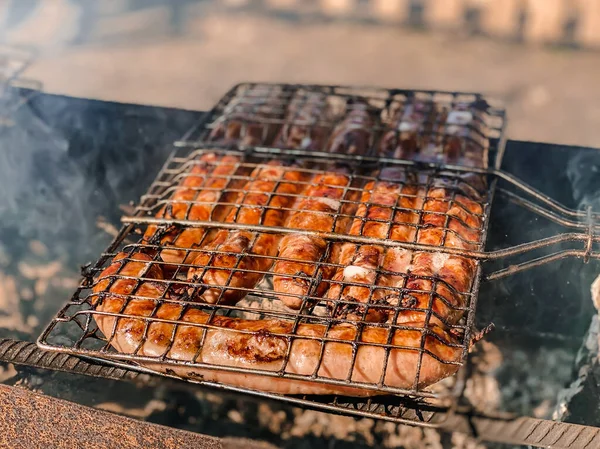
(361,264)
(464,136)
(262,344)
(407,135)
(306,113)
(454,274)
(205,195)
(353,134)
(248,118)
(426,132)
(264,201)
(316,210)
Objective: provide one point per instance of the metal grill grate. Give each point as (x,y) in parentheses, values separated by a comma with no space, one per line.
(189,285)
(316,310)
(328,311)
(419,125)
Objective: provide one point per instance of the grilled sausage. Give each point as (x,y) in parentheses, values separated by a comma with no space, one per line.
(464,136)
(308,117)
(407,135)
(250,118)
(263,201)
(353,134)
(422,131)
(197,198)
(260,344)
(454,273)
(401,269)
(315,211)
(376,218)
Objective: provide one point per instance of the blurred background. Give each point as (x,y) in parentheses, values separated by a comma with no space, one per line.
(539,56)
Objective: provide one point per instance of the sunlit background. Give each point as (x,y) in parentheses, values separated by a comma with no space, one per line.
(537,56)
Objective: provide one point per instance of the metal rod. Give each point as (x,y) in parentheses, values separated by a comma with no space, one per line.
(549,214)
(542,260)
(28,354)
(521,185)
(479,255)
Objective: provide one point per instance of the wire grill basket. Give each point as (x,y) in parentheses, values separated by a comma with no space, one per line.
(256,155)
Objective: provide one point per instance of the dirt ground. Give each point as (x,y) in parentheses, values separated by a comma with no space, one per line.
(188,56)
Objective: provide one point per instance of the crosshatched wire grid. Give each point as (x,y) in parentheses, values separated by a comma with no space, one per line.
(430,126)
(167,212)
(441,299)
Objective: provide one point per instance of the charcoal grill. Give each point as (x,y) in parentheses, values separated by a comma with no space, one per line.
(74,332)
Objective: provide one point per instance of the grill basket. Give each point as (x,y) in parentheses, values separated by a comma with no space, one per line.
(299,126)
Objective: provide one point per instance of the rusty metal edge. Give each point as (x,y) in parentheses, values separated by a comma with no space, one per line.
(32,420)
(28,354)
(523,430)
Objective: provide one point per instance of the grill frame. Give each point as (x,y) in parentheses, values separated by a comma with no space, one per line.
(490,114)
(194,139)
(134,222)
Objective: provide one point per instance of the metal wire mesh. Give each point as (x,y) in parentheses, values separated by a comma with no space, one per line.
(189,287)
(428,126)
(439,300)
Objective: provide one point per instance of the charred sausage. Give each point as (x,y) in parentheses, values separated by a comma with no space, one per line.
(453,274)
(306,125)
(197,198)
(269,345)
(386,211)
(316,210)
(353,135)
(264,200)
(251,118)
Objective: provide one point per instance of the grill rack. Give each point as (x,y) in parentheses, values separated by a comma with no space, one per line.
(374,407)
(425,111)
(84,301)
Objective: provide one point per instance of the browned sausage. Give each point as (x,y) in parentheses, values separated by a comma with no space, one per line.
(401,269)
(376,218)
(251,118)
(407,136)
(260,344)
(454,273)
(197,198)
(315,211)
(263,201)
(423,131)
(353,135)
(464,136)
(308,118)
